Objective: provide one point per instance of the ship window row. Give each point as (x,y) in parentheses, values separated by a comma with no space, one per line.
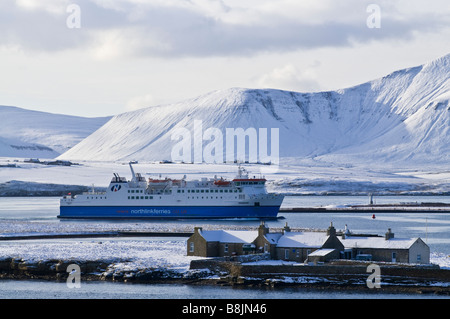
(135,191)
(140,197)
(249,183)
(189,197)
(210,190)
(95,197)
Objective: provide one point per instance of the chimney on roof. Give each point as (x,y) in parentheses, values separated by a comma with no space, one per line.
(197,230)
(262,229)
(331,231)
(389,234)
(286,228)
(347,232)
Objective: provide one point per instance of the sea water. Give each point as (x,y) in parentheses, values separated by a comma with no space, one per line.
(39,289)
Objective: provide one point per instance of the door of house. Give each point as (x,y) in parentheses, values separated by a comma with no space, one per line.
(348,254)
(394,257)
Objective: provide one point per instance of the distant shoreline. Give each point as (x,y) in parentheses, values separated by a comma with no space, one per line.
(17,188)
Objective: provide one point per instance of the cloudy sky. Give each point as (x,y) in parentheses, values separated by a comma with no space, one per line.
(104,57)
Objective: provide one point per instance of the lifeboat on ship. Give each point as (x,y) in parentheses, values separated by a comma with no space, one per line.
(158,182)
(221,182)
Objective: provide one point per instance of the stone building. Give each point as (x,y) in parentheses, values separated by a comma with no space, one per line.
(307,246)
(303,246)
(387,248)
(285,245)
(219,243)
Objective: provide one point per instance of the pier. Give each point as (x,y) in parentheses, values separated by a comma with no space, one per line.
(382,208)
(97,235)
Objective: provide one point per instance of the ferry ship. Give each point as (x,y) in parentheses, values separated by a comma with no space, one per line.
(242,197)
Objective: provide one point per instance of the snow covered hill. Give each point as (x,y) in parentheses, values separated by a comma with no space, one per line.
(26,133)
(402,117)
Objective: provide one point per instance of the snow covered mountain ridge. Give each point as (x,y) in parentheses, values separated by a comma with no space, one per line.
(26,133)
(401,117)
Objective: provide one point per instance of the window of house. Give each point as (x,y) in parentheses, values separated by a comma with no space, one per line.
(191,247)
(419,258)
(226,248)
(286,254)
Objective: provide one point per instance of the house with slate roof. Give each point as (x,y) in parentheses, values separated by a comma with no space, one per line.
(298,246)
(219,243)
(387,248)
(307,246)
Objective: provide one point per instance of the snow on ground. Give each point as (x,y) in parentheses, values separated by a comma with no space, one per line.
(440,259)
(10,228)
(125,254)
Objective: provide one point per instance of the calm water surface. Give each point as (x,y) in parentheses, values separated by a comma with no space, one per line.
(38,289)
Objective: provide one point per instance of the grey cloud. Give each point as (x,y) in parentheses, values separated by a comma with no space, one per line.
(177,31)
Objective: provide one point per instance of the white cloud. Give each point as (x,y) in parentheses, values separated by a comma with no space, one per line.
(139,102)
(56,7)
(290,78)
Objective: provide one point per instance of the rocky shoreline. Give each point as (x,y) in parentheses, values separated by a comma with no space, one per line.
(235,274)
